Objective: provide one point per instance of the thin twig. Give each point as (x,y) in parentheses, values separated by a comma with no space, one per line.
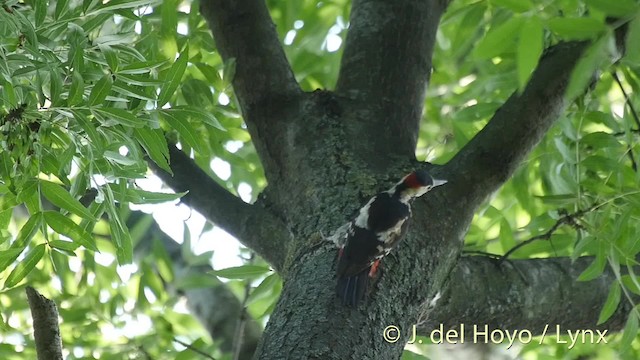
(621,133)
(627,99)
(634,165)
(481,253)
(567,219)
(194,349)
(242,320)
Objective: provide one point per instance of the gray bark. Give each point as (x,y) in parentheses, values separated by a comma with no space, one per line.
(526,294)
(45,326)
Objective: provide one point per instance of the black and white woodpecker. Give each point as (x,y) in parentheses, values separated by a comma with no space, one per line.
(377,228)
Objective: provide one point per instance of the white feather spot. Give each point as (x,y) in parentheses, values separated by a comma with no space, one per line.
(363,216)
(435,299)
(392,233)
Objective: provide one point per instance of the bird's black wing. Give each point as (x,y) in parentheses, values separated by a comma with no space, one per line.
(385,212)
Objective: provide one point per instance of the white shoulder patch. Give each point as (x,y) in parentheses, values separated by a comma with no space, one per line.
(363,217)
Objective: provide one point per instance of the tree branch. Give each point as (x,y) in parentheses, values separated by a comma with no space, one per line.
(252,225)
(213,304)
(634,115)
(490,158)
(397,56)
(566,219)
(263,81)
(243,31)
(45,326)
(524,294)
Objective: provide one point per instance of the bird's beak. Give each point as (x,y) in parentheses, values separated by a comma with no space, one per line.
(437,182)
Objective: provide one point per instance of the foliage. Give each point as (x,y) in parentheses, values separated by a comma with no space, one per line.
(584,172)
(91,89)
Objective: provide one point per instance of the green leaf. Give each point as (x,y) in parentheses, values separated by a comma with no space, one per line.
(173,77)
(265,287)
(138,196)
(76,91)
(601,140)
(611,304)
(196,281)
(27,232)
(60,197)
(66,246)
(630,283)
(115,157)
(558,200)
(29,188)
(210,73)
(594,270)
(567,154)
(132,91)
(576,28)
(110,56)
(530,46)
(198,114)
(151,280)
(514,5)
(141,67)
(229,71)
(583,245)
(163,263)
(25,266)
(122,117)
(241,272)
(498,39)
(100,90)
(8,256)
(618,8)
(55,87)
(41,11)
(632,54)
(65,226)
(113,6)
(61,6)
(630,331)
(477,112)
(81,118)
(5,221)
(27,27)
(187,132)
(154,143)
(506,235)
(586,66)
(410,355)
(119,232)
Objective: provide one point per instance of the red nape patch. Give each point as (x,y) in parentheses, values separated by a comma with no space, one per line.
(340,252)
(412,181)
(374,268)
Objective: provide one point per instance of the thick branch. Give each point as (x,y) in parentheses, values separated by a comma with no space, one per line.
(252,225)
(525,295)
(213,304)
(490,158)
(243,31)
(45,326)
(393,41)
(263,82)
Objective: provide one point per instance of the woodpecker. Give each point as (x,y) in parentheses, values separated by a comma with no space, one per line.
(375,230)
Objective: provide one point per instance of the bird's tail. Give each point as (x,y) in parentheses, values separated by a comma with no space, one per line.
(351,289)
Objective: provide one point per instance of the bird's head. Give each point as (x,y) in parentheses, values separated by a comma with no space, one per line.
(416,184)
